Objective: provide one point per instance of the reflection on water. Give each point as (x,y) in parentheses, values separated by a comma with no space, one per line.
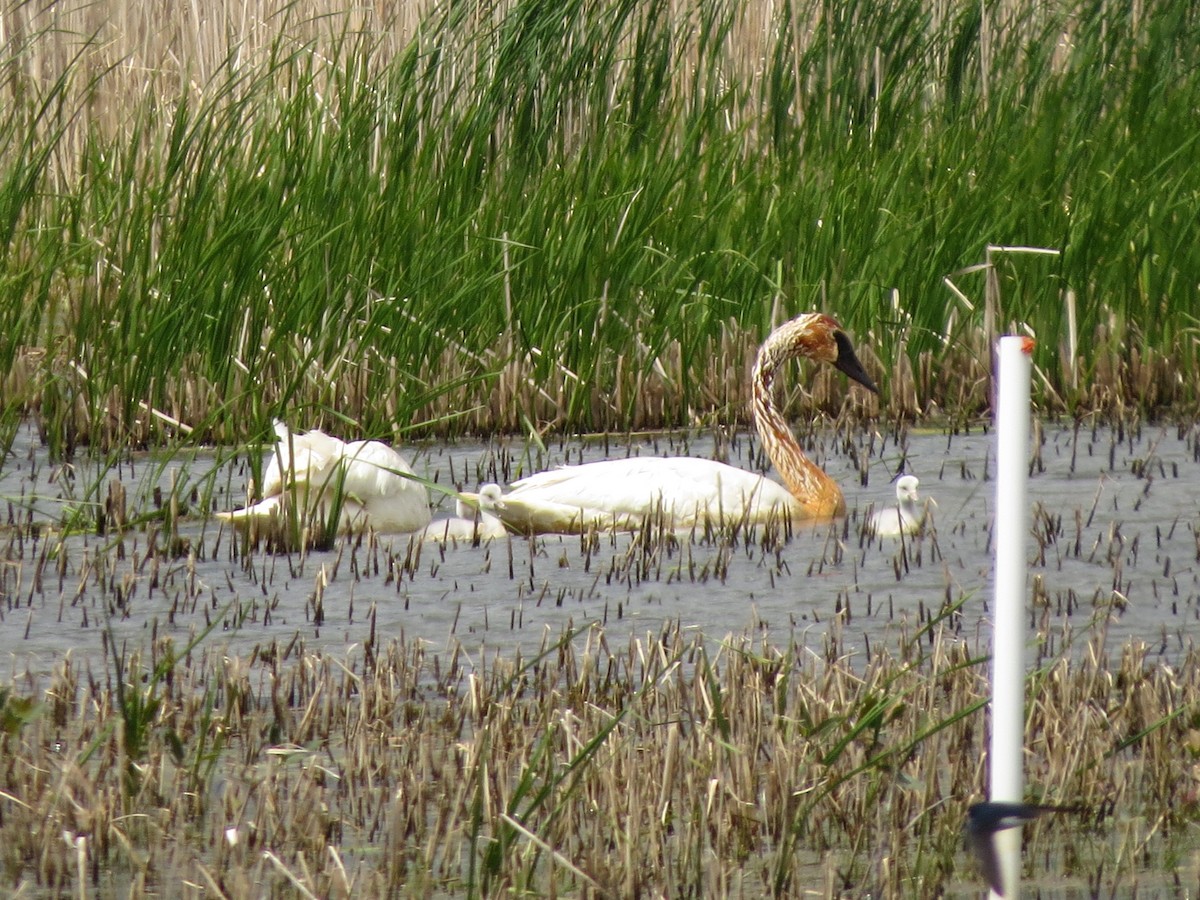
(1113,551)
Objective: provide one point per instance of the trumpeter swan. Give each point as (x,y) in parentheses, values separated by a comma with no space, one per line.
(313,470)
(685,491)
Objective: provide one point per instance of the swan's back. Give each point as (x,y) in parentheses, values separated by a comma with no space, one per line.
(368,476)
(375,476)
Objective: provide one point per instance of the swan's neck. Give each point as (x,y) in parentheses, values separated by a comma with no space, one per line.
(813,489)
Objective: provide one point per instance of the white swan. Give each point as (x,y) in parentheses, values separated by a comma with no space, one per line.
(903,518)
(313,469)
(469,524)
(683,491)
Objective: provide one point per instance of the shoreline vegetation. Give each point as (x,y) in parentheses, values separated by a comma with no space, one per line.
(512,217)
(675,765)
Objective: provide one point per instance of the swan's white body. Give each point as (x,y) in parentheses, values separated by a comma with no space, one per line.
(678,491)
(903,518)
(468,525)
(313,469)
(681,492)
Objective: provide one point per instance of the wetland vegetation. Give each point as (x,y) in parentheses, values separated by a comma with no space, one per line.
(633,714)
(538,219)
(667,765)
(510,216)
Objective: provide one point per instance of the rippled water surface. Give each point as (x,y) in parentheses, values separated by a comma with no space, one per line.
(1113,550)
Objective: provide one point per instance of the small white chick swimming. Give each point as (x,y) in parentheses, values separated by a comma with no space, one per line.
(468,524)
(903,518)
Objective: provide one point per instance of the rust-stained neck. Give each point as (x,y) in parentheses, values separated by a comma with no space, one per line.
(814,336)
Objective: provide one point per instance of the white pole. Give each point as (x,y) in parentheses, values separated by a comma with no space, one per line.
(1008,641)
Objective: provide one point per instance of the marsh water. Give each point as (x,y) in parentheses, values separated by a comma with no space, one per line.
(1113,549)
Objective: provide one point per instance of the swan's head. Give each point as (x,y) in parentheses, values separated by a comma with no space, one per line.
(816,336)
(906,489)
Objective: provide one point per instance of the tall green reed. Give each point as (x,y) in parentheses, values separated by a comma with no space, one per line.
(509,213)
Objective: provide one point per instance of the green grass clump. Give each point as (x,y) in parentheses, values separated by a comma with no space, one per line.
(506,215)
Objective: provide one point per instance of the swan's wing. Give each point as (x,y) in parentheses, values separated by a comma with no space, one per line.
(310,457)
(373,469)
(641,485)
(316,452)
(618,487)
(272,483)
(375,475)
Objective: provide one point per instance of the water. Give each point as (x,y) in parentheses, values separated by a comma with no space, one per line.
(1113,551)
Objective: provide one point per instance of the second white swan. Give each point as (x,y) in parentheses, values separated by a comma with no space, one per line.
(313,470)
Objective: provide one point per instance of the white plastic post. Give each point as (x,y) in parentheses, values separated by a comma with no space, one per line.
(1008,641)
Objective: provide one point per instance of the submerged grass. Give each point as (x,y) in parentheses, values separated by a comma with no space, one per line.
(508,215)
(675,766)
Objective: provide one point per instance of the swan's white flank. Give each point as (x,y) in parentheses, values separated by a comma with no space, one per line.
(312,469)
(903,518)
(679,492)
(468,524)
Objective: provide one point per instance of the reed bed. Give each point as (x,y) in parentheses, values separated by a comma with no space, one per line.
(510,216)
(670,765)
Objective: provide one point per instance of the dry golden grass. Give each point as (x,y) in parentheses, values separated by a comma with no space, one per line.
(671,765)
(160,47)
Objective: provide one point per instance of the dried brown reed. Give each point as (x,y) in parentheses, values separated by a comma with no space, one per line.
(627,395)
(672,765)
